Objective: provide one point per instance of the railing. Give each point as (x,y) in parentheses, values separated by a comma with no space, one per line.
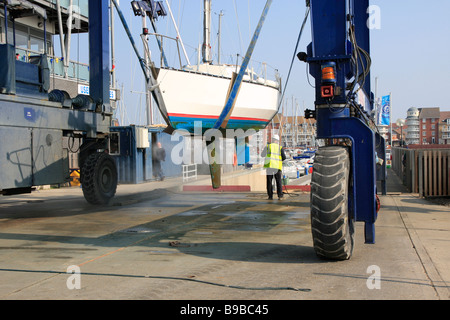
(189,172)
(83,5)
(161,43)
(166,47)
(423,171)
(75,70)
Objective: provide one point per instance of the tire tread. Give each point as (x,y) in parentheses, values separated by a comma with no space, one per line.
(332,229)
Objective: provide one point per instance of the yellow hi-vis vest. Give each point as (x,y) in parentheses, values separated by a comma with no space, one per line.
(273,157)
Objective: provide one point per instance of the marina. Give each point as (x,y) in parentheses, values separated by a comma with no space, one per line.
(155,150)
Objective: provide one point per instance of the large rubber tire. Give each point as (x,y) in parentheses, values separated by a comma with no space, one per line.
(332,228)
(99,178)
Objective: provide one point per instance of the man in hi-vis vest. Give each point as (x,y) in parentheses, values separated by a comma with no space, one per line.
(273,163)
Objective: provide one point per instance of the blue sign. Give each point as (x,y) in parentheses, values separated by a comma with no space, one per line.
(29,114)
(82,89)
(385,111)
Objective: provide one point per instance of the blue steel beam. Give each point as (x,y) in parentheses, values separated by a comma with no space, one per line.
(99,66)
(28,113)
(227,110)
(363,170)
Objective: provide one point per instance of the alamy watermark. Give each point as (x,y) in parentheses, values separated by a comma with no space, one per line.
(374,280)
(374,20)
(207,146)
(75,22)
(74,280)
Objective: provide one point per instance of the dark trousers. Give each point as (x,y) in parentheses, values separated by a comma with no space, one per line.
(277,176)
(157,170)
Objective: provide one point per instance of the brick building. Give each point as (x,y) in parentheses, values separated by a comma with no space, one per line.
(429,121)
(444,128)
(424,126)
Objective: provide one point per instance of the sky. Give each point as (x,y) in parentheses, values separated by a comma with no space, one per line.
(410,50)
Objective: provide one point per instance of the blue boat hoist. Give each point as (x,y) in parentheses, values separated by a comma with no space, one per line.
(33,121)
(346,168)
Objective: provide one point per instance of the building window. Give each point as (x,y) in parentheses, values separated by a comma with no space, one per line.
(21,38)
(433,126)
(424,120)
(424,140)
(433,141)
(36,44)
(424,134)
(433,133)
(424,127)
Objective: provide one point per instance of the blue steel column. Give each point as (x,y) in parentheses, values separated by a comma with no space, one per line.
(363,170)
(331,44)
(99,66)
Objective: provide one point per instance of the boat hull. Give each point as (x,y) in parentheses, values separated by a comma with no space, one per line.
(197,99)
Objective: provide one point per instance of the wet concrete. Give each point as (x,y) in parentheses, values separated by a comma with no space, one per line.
(159,243)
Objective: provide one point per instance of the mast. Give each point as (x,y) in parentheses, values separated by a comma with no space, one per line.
(147,58)
(219,36)
(207,32)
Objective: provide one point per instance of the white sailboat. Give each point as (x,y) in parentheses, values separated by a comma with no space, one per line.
(199,92)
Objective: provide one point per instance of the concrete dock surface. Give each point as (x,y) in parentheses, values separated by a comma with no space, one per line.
(156,242)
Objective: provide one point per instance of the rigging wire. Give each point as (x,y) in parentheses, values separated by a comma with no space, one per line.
(360,56)
(239,26)
(294,56)
(249,21)
(307,75)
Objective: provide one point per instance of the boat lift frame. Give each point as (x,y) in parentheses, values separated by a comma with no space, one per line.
(34,121)
(335,115)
